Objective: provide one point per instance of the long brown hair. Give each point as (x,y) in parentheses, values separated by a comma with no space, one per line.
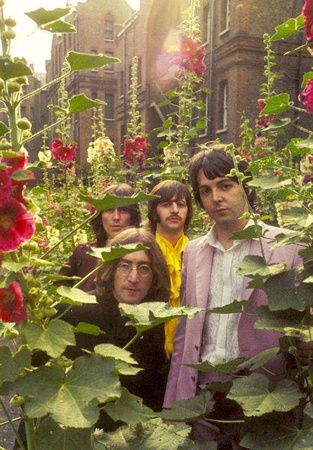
(160,286)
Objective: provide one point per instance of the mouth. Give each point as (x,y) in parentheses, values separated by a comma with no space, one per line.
(174,218)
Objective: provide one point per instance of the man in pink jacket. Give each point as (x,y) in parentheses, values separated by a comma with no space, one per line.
(209,280)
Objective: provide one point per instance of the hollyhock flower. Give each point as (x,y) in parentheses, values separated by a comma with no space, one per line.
(62,153)
(190,56)
(135,150)
(14,162)
(16,224)
(5,185)
(306,96)
(11,304)
(307,12)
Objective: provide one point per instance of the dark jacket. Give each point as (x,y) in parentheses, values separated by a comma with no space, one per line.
(148,350)
(80,264)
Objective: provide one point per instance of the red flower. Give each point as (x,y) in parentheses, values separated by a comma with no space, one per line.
(307,12)
(306,96)
(190,56)
(135,150)
(5,185)
(11,304)
(16,224)
(15,162)
(63,154)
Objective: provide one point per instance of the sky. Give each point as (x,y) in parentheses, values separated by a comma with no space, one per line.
(30,43)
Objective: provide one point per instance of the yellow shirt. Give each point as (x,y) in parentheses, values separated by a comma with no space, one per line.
(173,257)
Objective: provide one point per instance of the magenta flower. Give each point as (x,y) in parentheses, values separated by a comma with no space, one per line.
(190,56)
(11,304)
(135,150)
(14,162)
(16,224)
(307,12)
(62,153)
(5,185)
(306,96)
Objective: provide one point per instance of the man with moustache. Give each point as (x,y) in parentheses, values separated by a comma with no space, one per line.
(169,217)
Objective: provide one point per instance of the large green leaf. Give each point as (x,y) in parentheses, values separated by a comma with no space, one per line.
(112,351)
(50,436)
(12,69)
(277,104)
(267,182)
(153,434)
(253,395)
(288,28)
(259,360)
(254,266)
(194,408)
(297,216)
(253,231)
(53,339)
(218,367)
(85,61)
(59,26)
(76,296)
(149,314)
(118,251)
(79,103)
(234,307)
(283,293)
(289,322)
(129,409)
(279,123)
(41,16)
(111,201)
(71,398)
(13,364)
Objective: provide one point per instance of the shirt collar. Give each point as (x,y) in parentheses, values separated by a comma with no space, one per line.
(210,237)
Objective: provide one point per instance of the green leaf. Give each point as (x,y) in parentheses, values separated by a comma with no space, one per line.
(195,408)
(3,129)
(289,322)
(153,434)
(41,16)
(70,397)
(253,395)
(253,231)
(232,308)
(129,409)
(79,103)
(12,365)
(85,61)
(149,314)
(269,182)
(283,294)
(218,367)
(75,295)
(297,216)
(59,26)
(277,123)
(112,351)
(254,266)
(110,201)
(277,104)
(111,253)
(306,77)
(259,360)
(87,328)
(52,339)
(50,436)
(10,69)
(288,28)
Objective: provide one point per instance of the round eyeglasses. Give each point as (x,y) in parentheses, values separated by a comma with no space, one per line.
(144,270)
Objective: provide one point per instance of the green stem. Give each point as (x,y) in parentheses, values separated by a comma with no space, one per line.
(10,422)
(137,335)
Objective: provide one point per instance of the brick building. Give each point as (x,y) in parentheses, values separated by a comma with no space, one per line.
(232,36)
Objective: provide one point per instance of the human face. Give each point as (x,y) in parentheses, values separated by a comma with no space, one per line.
(223,200)
(172,216)
(132,288)
(115,220)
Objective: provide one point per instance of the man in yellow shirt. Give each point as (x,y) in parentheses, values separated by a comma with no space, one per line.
(169,217)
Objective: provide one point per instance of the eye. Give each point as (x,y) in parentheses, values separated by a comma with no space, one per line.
(124,268)
(165,204)
(204,191)
(123,209)
(181,204)
(108,211)
(144,270)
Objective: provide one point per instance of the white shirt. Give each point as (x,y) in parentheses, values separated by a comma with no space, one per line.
(220,334)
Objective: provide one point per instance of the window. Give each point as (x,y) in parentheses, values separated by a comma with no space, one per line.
(223,105)
(109,107)
(109,66)
(225,15)
(108,28)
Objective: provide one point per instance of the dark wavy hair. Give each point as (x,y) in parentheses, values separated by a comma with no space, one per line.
(215,162)
(167,189)
(121,190)
(160,286)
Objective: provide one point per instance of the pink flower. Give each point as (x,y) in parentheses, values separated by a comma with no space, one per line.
(11,304)
(307,12)
(135,150)
(5,185)
(16,224)
(190,56)
(62,153)
(306,96)
(16,162)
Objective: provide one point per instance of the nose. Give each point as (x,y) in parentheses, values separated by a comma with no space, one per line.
(133,276)
(116,214)
(216,195)
(174,207)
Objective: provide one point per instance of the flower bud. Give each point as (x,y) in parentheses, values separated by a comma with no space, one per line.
(233,172)
(17,400)
(21,80)
(5,145)
(23,124)
(8,34)
(10,22)
(10,333)
(13,86)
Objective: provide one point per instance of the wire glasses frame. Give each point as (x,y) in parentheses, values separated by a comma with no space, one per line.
(144,270)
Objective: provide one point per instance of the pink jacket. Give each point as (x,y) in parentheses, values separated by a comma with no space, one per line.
(197,262)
